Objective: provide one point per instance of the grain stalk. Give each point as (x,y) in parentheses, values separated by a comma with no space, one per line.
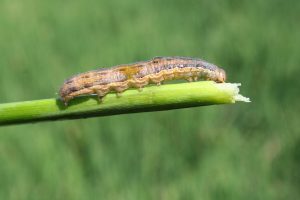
(154,98)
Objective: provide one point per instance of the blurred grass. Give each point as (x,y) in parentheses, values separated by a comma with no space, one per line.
(246,151)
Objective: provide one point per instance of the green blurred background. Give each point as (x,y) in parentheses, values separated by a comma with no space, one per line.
(241,151)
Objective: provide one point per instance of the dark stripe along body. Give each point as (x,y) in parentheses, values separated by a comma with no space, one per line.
(137,75)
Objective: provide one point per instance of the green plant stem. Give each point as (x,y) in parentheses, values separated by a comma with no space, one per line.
(155,98)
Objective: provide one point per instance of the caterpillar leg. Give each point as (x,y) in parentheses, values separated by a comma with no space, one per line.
(66,99)
(189,79)
(100,95)
(139,83)
(100,91)
(156,79)
(119,88)
(168,75)
(119,94)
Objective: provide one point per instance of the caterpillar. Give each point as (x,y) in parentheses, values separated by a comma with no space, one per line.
(138,75)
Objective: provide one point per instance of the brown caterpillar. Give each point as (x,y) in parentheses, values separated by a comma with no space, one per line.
(137,75)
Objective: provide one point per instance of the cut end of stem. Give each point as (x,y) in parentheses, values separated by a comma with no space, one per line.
(234,87)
